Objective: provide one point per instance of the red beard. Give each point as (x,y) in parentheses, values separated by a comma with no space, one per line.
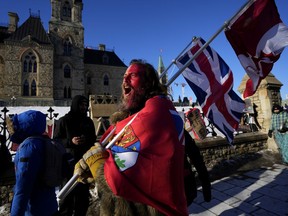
(133,102)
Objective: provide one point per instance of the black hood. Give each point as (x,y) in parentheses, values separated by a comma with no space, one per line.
(78,99)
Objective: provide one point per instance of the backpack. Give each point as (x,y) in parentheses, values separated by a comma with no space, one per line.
(55,162)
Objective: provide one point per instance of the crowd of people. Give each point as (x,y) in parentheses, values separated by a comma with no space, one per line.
(136,165)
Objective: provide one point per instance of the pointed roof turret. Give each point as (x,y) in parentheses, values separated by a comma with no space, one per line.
(161,69)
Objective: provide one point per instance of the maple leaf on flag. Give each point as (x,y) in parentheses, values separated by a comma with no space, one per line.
(258,37)
(211,80)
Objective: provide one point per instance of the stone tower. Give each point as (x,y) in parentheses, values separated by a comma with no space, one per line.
(49,68)
(67,34)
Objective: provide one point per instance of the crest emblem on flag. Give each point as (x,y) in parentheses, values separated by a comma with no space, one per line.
(126,157)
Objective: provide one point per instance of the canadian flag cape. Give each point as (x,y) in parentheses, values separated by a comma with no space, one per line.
(146,164)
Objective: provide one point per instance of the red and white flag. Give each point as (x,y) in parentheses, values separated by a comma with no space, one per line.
(258,37)
(145,164)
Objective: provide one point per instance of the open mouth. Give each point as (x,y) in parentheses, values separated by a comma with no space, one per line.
(127,90)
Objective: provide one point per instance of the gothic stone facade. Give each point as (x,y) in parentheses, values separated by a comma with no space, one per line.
(49,68)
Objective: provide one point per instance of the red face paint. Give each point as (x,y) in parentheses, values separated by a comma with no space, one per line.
(133,84)
(134,76)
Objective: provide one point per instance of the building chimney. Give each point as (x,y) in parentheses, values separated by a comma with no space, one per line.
(13,21)
(102,47)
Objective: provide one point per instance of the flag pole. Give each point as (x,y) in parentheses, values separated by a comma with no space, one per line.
(70,185)
(173,61)
(244,7)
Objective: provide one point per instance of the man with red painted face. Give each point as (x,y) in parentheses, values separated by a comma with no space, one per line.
(142,173)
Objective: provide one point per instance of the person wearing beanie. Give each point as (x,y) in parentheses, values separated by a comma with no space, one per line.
(278,128)
(77,133)
(31,195)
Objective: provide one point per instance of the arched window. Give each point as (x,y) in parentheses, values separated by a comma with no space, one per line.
(66,10)
(26,88)
(67,71)
(25,66)
(30,63)
(69,92)
(34,64)
(89,80)
(30,66)
(29,73)
(67,46)
(65,92)
(106,80)
(33,88)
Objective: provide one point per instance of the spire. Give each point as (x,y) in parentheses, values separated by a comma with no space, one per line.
(160,65)
(161,68)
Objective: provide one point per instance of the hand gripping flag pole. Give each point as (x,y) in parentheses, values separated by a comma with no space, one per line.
(225,25)
(70,185)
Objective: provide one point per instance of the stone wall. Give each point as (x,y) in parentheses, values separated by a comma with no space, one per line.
(217,148)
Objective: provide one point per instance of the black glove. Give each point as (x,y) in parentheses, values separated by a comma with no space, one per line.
(270,133)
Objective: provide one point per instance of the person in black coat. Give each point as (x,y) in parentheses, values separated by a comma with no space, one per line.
(77,133)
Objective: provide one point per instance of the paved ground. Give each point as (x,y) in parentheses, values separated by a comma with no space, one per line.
(261,191)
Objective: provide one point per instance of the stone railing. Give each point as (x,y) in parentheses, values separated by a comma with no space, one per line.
(217,148)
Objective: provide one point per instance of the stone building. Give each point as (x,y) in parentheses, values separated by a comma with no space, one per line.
(49,68)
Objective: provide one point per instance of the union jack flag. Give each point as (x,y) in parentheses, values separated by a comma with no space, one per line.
(211,80)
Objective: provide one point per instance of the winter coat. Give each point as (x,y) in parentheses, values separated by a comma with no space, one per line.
(31,195)
(74,124)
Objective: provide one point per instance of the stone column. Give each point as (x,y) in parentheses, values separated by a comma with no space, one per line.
(266,95)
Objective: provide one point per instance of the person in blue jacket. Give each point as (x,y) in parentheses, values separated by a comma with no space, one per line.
(31,196)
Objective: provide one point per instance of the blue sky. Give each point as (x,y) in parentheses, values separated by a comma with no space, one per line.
(141,29)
